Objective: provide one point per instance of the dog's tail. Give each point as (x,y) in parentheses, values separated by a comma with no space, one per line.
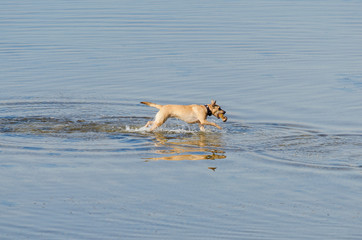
(152,105)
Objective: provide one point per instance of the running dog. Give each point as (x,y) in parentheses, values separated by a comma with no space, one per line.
(189,113)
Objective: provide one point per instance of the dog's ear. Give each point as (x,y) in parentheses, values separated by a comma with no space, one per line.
(213,102)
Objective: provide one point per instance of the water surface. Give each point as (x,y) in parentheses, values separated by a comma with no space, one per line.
(77,163)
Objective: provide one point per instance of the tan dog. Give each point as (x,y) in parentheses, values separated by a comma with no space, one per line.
(189,113)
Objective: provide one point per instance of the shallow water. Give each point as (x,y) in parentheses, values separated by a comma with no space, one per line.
(77,163)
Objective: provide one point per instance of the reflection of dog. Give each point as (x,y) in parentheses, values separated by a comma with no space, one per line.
(202,146)
(188,113)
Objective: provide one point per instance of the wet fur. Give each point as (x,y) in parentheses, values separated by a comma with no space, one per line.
(188,113)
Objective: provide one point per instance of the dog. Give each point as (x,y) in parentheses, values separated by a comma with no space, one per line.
(188,113)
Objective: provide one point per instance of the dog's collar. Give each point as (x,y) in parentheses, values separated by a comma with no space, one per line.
(209,113)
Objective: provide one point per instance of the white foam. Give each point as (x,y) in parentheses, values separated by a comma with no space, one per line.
(135,129)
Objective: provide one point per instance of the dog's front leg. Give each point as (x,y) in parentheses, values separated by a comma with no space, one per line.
(202,128)
(205,122)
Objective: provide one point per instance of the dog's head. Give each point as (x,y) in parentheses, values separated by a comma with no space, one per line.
(217,111)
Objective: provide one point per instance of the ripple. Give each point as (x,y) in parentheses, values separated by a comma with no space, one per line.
(50,125)
(56,128)
(300,146)
(61,127)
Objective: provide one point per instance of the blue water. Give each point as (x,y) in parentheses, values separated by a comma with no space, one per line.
(76,162)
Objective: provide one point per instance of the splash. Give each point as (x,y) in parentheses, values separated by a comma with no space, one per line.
(108,125)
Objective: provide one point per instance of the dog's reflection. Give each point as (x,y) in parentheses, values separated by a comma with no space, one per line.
(179,147)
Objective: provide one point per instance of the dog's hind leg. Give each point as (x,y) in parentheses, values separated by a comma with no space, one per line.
(155,125)
(148,124)
(159,120)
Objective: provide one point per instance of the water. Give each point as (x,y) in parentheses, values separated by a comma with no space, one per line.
(76,162)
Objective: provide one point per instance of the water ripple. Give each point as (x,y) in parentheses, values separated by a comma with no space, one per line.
(300,145)
(292,144)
